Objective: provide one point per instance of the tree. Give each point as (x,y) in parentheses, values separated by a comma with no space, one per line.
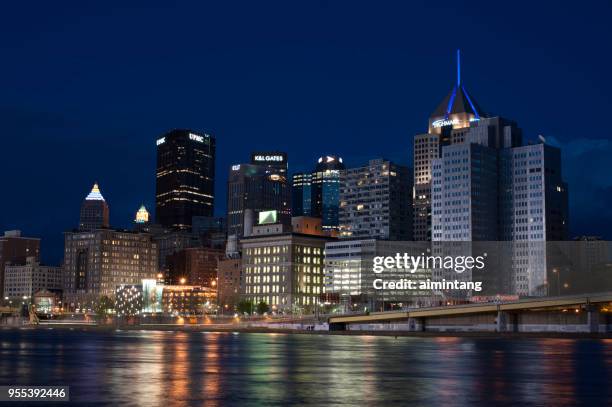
(102,307)
(262,308)
(245,306)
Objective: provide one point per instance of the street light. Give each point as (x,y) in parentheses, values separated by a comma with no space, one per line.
(183,280)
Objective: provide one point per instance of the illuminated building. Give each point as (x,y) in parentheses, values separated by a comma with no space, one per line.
(533,209)
(375,202)
(188,300)
(47,302)
(274,161)
(228,283)
(94,211)
(185,178)
(135,299)
(26,279)
(282,268)
(325,190)
(96,262)
(197,265)
(475,181)
(128,300)
(318,194)
(15,249)
(485,188)
(142,216)
(253,188)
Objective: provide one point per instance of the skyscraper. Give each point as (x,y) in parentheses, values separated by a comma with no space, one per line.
(318,194)
(534,210)
(475,181)
(254,187)
(447,125)
(375,202)
(185,177)
(325,201)
(94,211)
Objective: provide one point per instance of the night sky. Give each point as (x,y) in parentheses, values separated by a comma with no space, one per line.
(85,91)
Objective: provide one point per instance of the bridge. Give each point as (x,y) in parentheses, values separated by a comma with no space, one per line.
(575,313)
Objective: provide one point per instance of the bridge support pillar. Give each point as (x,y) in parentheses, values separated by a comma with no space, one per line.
(416,324)
(592,318)
(506,322)
(337,326)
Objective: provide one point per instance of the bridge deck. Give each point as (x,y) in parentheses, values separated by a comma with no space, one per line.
(521,305)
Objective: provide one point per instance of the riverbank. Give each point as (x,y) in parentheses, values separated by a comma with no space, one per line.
(267,330)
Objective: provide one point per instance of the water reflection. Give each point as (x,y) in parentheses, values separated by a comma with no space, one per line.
(215,369)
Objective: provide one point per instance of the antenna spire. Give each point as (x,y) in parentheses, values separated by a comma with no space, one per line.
(458,68)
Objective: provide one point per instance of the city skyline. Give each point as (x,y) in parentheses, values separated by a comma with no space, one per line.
(400,84)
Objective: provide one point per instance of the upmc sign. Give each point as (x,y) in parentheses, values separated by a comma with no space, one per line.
(268,157)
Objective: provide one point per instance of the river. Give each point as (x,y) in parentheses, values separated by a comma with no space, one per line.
(216,369)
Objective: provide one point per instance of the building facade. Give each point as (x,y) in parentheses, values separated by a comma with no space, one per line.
(195,266)
(188,300)
(301,194)
(185,178)
(96,262)
(24,280)
(375,202)
(228,284)
(534,210)
(284,270)
(465,194)
(15,249)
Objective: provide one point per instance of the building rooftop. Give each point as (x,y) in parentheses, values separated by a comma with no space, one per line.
(95,194)
(458,100)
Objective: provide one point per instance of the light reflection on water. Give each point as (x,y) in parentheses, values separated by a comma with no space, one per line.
(216,369)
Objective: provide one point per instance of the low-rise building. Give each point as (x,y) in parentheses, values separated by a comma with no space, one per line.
(15,249)
(23,280)
(188,300)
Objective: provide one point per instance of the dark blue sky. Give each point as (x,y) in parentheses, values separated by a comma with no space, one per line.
(85,90)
